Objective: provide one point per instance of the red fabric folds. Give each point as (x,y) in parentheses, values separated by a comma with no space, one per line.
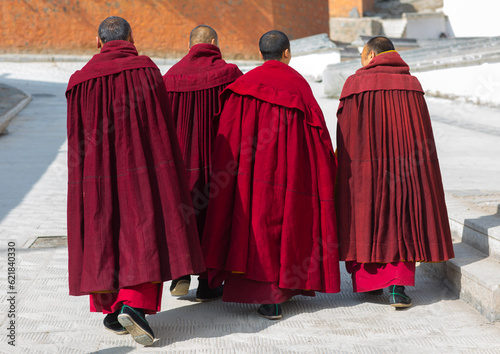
(126,180)
(193,86)
(237,288)
(115,57)
(271,214)
(202,68)
(292,91)
(391,203)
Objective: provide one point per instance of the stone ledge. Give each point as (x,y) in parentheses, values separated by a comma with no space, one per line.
(473,227)
(474,276)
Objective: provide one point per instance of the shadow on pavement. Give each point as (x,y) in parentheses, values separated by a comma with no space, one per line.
(33,141)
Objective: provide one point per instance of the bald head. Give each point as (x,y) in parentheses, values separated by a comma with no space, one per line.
(273,44)
(114,28)
(203,34)
(380,44)
(374,47)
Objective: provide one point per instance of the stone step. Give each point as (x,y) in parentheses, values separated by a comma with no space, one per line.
(474,276)
(474,273)
(474,223)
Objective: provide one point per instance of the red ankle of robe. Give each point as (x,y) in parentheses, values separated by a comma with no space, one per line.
(145,296)
(373,276)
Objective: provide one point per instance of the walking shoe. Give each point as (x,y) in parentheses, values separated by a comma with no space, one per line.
(111,323)
(375,292)
(134,321)
(270,311)
(204,293)
(398,297)
(180,286)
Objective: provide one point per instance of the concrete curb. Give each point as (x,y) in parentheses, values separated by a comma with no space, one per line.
(11,113)
(474,277)
(474,273)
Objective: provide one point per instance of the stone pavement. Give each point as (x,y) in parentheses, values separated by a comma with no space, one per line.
(32,205)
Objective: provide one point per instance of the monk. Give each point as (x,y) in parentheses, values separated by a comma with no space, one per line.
(193,86)
(270,232)
(391,209)
(126,179)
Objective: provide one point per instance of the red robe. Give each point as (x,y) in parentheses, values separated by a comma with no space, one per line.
(271,216)
(126,179)
(391,203)
(193,86)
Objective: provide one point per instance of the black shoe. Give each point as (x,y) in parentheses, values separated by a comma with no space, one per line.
(134,321)
(270,311)
(375,292)
(111,323)
(180,286)
(204,293)
(398,297)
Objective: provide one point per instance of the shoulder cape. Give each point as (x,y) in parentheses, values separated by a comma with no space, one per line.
(387,71)
(279,84)
(115,57)
(202,68)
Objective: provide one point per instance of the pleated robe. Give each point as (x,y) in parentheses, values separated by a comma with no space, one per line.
(127,189)
(390,204)
(193,86)
(271,230)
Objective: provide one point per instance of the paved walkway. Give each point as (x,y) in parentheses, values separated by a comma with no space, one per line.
(32,204)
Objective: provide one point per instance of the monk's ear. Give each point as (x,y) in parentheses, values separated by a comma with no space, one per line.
(261,56)
(99,43)
(286,57)
(131,38)
(214,42)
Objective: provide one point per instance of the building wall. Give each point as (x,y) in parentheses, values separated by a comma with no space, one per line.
(425,25)
(341,8)
(161,27)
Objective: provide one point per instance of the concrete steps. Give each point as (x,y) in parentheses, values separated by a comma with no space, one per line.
(433,54)
(474,273)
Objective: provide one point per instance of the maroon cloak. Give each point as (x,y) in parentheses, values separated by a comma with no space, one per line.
(126,179)
(390,200)
(271,216)
(193,86)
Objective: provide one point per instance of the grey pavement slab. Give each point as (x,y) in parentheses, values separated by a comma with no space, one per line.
(33,203)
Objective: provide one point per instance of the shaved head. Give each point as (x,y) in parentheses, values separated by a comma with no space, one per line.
(374,47)
(114,28)
(273,44)
(203,34)
(380,44)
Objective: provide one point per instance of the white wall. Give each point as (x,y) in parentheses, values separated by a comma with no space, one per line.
(476,18)
(476,84)
(312,66)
